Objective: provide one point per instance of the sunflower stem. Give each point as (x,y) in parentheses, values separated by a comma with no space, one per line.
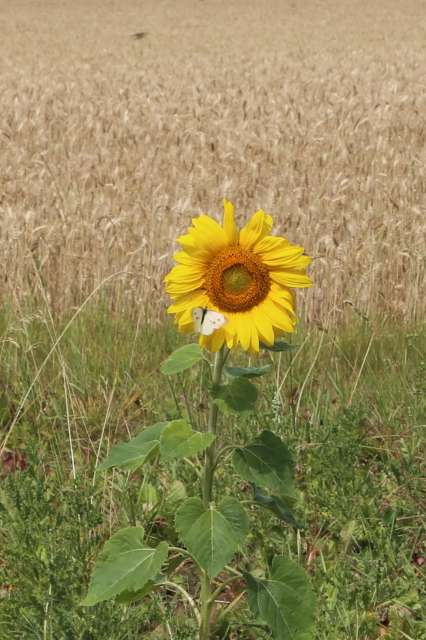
(210,460)
(206,606)
(207,490)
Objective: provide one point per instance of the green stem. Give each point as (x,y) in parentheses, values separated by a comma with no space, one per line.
(207,489)
(210,461)
(206,606)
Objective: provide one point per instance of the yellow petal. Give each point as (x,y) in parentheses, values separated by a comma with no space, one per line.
(194,247)
(185,322)
(278,316)
(229,226)
(271,243)
(175,289)
(218,338)
(214,342)
(290,278)
(243,329)
(254,342)
(283,297)
(229,327)
(185,273)
(209,232)
(182,257)
(257,227)
(281,254)
(188,328)
(263,325)
(189,301)
(231,341)
(230,331)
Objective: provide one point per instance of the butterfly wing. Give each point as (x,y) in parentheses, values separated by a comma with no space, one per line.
(211,322)
(197,317)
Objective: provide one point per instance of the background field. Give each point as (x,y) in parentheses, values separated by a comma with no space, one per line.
(109,144)
(314,111)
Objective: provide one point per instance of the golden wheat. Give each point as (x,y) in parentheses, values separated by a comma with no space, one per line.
(111,143)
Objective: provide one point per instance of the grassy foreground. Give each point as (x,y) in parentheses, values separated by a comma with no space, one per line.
(352,405)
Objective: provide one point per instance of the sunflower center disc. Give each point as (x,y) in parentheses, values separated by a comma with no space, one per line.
(237,280)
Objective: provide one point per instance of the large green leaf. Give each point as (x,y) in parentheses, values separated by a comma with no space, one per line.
(126,564)
(213,535)
(127,597)
(178,440)
(183,358)
(279,345)
(134,453)
(284,601)
(238,396)
(248,372)
(267,462)
(279,507)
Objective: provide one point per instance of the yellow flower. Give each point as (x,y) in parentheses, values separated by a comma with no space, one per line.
(246,275)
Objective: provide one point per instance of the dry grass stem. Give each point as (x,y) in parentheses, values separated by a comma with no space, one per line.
(111,143)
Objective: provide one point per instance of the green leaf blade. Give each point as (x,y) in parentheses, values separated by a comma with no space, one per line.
(178,440)
(126,564)
(277,506)
(267,462)
(247,372)
(129,597)
(237,397)
(136,452)
(213,535)
(285,601)
(183,358)
(279,345)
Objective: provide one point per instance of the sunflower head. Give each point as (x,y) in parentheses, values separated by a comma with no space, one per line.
(247,275)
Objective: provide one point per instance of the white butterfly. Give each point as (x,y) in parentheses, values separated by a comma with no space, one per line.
(207,321)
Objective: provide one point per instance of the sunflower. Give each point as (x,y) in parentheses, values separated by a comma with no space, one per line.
(245,275)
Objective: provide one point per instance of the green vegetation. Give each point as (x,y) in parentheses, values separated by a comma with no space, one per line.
(350,405)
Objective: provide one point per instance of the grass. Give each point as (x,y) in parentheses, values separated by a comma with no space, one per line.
(110,144)
(351,405)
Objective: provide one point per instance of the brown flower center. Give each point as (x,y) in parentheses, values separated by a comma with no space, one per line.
(237,280)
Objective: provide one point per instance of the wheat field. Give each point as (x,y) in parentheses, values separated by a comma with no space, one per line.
(110,142)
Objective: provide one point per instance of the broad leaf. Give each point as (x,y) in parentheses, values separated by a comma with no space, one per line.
(178,440)
(284,601)
(279,345)
(176,494)
(134,453)
(238,396)
(183,358)
(248,372)
(126,597)
(278,507)
(267,462)
(126,564)
(213,535)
